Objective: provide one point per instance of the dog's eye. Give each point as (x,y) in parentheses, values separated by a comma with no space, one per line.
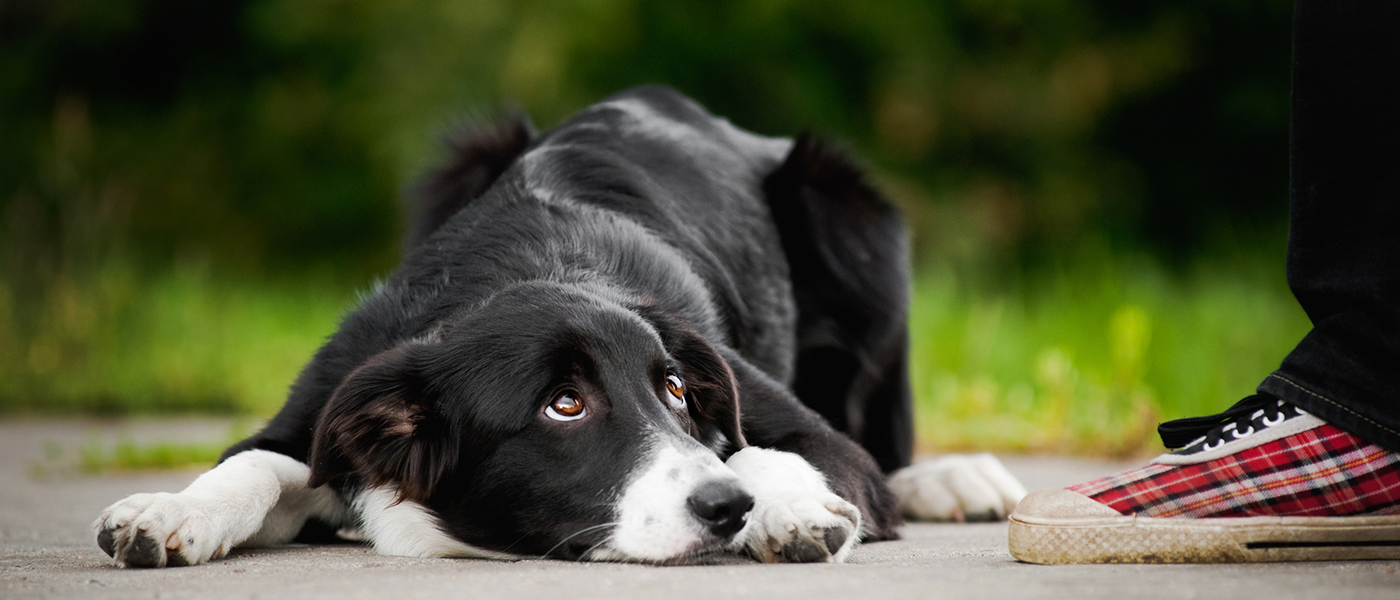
(565,407)
(677,389)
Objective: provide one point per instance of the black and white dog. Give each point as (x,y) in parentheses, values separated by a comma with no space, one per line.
(645,335)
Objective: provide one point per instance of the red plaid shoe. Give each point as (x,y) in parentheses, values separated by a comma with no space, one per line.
(1263,481)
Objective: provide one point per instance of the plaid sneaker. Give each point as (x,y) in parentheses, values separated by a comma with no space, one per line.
(1263,481)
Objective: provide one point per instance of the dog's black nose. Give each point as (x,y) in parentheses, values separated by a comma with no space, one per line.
(721,506)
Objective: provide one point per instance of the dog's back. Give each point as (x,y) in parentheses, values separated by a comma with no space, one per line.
(654,157)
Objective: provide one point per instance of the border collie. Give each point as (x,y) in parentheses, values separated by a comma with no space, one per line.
(645,335)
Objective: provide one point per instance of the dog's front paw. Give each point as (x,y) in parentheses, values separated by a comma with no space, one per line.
(159,530)
(795,517)
(957,487)
(801,528)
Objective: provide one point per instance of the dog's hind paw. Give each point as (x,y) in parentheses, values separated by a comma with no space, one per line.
(795,517)
(158,530)
(957,487)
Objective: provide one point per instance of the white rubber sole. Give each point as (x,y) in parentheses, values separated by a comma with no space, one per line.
(1061,527)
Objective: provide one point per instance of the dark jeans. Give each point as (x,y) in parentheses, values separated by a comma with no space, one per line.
(1344,236)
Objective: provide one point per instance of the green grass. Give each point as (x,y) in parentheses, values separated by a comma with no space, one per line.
(131,456)
(179,341)
(1085,359)
(1090,359)
(98,456)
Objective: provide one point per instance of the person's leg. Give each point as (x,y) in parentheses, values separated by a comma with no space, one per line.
(1344,237)
(1307,469)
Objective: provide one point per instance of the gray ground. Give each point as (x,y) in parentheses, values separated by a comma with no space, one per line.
(47,550)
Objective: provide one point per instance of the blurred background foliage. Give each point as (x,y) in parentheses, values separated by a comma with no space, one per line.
(191,192)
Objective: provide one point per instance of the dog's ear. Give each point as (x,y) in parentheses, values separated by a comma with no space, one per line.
(710,383)
(379,424)
(478,157)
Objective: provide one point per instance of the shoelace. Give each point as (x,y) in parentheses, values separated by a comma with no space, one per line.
(1236,422)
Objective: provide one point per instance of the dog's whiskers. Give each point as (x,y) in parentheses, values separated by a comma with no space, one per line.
(576,534)
(584,556)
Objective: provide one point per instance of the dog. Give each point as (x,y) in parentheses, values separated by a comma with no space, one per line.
(645,335)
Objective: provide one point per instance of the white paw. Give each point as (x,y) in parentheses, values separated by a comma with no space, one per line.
(159,530)
(801,528)
(957,487)
(795,517)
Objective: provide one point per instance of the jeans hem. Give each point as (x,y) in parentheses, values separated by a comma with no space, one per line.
(1332,410)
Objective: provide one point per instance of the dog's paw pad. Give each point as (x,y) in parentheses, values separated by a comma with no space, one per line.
(957,488)
(803,550)
(835,538)
(157,530)
(106,541)
(145,551)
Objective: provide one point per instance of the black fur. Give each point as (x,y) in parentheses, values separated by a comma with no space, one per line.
(478,157)
(848,256)
(596,257)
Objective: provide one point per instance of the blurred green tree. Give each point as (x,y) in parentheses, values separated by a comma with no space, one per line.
(276,134)
(145,144)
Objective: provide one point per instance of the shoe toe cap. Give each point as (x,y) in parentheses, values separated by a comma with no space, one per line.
(1060,505)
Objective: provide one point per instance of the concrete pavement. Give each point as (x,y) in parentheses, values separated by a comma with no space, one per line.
(47,551)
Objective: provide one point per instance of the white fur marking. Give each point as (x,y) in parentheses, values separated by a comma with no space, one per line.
(653,124)
(752,143)
(407,528)
(649,123)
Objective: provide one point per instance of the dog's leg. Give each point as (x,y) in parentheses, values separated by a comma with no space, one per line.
(957,487)
(255,497)
(816,474)
(796,517)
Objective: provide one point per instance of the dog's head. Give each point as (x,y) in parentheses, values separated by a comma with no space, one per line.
(550,421)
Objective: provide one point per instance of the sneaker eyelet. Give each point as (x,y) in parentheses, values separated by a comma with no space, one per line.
(1268,423)
(1239,435)
(1208,447)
